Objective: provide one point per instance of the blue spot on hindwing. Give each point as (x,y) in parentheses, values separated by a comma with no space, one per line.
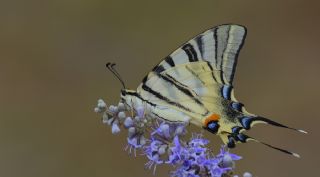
(245,122)
(231,143)
(236,129)
(242,137)
(226,92)
(237,106)
(213,127)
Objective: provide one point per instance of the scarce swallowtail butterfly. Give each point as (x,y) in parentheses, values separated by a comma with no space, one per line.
(194,84)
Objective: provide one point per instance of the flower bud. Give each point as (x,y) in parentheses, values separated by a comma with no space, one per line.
(101,104)
(113,109)
(105,118)
(97,110)
(128,122)
(165,129)
(227,161)
(109,121)
(247,174)
(142,140)
(115,128)
(179,130)
(121,115)
(140,111)
(162,149)
(131,131)
(121,107)
(137,119)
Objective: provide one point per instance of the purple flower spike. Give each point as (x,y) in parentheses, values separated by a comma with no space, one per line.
(165,142)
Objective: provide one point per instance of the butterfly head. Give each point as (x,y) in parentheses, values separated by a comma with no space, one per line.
(128,97)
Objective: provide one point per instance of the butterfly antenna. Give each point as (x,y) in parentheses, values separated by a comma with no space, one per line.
(119,76)
(111,68)
(246,138)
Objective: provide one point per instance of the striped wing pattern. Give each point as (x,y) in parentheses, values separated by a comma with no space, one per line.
(219,46)
(204,66)
(197,92)
(202,69)
(196,81)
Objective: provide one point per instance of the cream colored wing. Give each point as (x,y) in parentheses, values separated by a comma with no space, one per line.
(202,67)
(219,46)
(195,81)
(186,82)
(197,95)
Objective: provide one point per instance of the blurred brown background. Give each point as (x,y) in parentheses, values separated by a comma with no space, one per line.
(52,71)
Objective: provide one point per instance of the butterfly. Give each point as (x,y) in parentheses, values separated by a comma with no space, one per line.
(194,85)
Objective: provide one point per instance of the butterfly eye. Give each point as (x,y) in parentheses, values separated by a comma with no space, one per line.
(213,126)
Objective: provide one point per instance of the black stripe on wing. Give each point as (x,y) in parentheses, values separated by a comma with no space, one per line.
(219,46)
(195,75)
(170,61)
(181,87)
(200,44)
(212,73)
(234,66)
(221,77)
(139,96)
(158,69)
(192,54)
(215,39)
(222,43)
(163,118)
(161,97)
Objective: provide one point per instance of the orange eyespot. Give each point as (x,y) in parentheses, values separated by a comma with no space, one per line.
(212,117)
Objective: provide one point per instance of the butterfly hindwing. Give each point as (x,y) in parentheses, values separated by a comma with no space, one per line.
(196,93)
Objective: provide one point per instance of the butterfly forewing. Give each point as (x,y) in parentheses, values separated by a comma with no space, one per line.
(219,46)
(200,69)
